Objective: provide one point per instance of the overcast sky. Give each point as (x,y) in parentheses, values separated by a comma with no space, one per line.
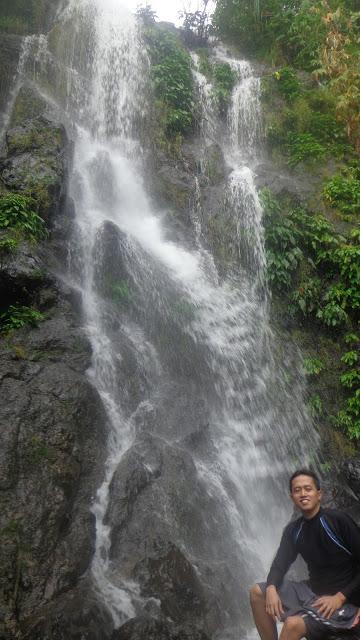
(167,9)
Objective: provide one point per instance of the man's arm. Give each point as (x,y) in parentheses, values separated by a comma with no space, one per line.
(285,556)
(350,534)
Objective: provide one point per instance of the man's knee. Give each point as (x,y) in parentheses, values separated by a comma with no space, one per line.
(256,594)
(295,625)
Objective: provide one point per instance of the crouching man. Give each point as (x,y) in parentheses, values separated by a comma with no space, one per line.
(329,542)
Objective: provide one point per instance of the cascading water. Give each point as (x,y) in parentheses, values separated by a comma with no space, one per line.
(180,354)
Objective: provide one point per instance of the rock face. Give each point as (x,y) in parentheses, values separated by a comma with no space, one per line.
(153,629)
(35,155)
(10,46)
(52,422)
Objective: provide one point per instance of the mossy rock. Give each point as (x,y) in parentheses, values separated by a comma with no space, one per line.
(214,164)
(174,187)
(28,105)
(10,47)
(36,157)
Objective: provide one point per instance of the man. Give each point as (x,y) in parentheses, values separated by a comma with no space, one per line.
(329,542)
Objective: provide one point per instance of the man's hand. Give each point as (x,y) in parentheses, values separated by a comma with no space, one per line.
(273,604)
(326,605)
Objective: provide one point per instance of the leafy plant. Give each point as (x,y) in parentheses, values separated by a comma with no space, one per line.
(281,242)
(224,79)
(349,418)
(7,245)
(315,406)
(351,338)
(351,379)
(171,79)
(17,317)
(16,212)
(288,84)
(344,193)
(332,314)
(205,65)
(306,297)
(303,147)
(313,366)
(350,358)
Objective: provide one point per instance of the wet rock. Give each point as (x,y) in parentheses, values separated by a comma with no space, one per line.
(111,271)
(281,181)
(29,105)
(36,157)
(145,628)
(175,187)
(10,47)
(76,616)
(170,577)
(52,424)
(51,464)
(214,166)
(159,537)
(22,270)
(351,469)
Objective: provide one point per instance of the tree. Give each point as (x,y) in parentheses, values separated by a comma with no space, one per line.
(146,14)
(196,25)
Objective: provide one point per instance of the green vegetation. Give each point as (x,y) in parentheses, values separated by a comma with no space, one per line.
(221,75)
(305,129)
(343,192)
(7,245)
(315,406)
(38,452)
(316,270)
(319,36)
(224,79)
(17,214)
(17,317)
(120,293)
(172,81)
(22,16)
(288,84)
(313,366)
(322,267)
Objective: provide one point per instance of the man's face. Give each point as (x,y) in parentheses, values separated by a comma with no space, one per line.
(305,495)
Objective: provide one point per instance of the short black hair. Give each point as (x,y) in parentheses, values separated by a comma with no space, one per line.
(305,472)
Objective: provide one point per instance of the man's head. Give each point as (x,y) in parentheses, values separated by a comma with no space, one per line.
(305,491)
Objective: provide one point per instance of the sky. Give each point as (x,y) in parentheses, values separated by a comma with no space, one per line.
(167,9)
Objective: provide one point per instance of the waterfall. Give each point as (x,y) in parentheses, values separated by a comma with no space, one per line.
(179,352)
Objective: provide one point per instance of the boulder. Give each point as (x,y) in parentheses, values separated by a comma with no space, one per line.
(160,537)
(76,616)
(147,628)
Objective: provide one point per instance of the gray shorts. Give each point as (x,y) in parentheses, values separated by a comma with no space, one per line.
(298,600)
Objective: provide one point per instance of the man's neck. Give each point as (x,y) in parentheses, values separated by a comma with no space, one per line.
(311,514)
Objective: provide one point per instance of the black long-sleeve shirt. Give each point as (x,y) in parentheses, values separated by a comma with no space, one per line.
(330,545)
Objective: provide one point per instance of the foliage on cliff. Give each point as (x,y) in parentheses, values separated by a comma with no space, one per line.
(23,16)
(171,80)
(312,128)
(320,36)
